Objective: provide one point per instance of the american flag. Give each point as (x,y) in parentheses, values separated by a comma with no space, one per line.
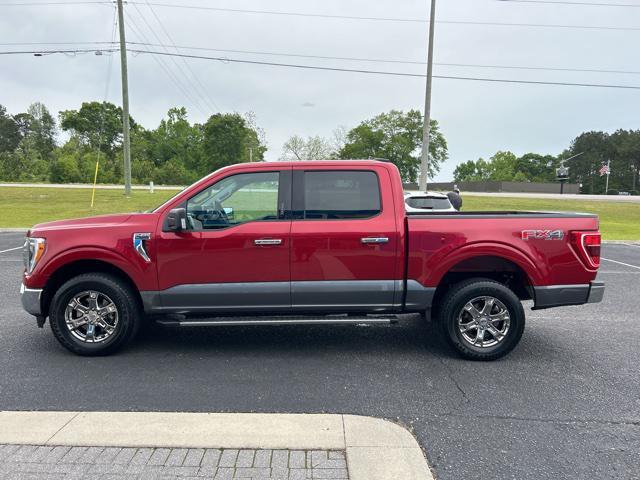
(604,170)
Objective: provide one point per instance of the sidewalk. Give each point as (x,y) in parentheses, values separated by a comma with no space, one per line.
(123,445)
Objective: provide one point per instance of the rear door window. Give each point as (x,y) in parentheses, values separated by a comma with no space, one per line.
(341,195)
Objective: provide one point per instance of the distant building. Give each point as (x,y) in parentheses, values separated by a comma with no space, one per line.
(493,186)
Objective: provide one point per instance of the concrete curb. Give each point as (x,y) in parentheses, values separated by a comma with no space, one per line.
(376,449)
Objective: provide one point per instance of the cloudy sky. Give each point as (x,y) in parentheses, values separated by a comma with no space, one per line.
(477,118)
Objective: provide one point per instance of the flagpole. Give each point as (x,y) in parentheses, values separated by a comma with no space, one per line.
(606,188)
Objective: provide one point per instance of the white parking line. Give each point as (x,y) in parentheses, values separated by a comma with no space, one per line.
(615,261)
(10,250)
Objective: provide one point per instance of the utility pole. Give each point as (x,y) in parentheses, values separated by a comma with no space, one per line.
(125,103)
(424,162)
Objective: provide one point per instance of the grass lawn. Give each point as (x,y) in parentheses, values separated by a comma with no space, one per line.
(24,207)
(618,220)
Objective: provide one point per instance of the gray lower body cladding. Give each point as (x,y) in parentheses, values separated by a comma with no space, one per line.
(307,296)
(563,295)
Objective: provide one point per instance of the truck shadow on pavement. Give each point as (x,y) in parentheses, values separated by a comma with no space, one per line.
(413,334)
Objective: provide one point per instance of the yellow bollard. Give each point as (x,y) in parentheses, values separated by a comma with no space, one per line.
(95,180)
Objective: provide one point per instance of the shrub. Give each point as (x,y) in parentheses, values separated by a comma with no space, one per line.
(613,191)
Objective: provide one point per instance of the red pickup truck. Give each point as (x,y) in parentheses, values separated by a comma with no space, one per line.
(306,243)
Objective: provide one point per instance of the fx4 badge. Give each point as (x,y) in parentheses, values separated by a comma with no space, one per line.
(139,245)
(542,235)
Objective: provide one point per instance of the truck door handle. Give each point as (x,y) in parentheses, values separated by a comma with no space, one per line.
(367,240)
(268,241)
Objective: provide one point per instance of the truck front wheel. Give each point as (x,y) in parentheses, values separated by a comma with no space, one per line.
(481,319)
(94,314)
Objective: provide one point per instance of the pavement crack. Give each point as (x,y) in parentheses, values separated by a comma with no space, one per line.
(451,377)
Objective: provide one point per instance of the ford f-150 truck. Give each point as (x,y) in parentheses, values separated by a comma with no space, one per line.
(306,243)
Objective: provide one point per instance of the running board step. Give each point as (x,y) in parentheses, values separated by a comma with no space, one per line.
(229,321)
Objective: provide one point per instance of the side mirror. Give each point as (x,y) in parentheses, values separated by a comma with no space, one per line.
(177,220)
(228,212)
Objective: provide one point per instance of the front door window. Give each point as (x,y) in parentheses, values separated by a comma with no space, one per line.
(234,200)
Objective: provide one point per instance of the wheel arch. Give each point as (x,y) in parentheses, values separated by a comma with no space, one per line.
(78,267)
(509,267)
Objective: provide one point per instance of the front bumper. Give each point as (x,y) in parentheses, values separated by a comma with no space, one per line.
(31,300)
(563,295)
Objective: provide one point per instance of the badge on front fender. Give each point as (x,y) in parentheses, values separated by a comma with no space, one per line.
(139,245)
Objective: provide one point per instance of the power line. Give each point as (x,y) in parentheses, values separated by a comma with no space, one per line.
(78,2)
(203,91)
(560,2)
(354,59)
(399,74)
(98,51)
(406,62)
(292,14)
(540,25)
(190,86)
(332,69)
(347,17)
(164,66)
(56,43)
(384,19)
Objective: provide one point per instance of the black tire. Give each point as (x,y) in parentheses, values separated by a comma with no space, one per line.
(452,307)
(122,296)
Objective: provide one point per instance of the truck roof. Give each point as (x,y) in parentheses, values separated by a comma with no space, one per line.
(329,163)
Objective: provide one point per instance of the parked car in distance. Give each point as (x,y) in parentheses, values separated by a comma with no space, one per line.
(416,202)
(331,242)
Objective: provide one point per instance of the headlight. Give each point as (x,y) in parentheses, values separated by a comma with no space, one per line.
(32,252)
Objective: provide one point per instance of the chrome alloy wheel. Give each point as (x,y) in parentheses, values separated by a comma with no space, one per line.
(91,316)
(484,322)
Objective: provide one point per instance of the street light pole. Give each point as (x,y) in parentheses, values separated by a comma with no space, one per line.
(126,141)
(424,161)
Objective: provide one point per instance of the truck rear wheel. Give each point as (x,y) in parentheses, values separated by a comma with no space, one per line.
(94,314)
(481,319)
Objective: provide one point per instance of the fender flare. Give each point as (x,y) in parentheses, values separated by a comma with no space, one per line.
(535,272)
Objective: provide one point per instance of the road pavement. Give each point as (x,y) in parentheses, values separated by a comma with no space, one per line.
(564,404)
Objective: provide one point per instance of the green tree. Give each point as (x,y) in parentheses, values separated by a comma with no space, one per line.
(625,161)
(97,125)
(38,129)
(502,166)
(471,171)
(313,148)
(176,139)
(228,139)
(537,168)
(9,132)
(596,150)
(396,136)
(506,167)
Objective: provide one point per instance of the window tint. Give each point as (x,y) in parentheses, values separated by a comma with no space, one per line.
(341,195)
(237,199)
(429,203)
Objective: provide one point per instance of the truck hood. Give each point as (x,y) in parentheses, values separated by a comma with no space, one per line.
(76,223)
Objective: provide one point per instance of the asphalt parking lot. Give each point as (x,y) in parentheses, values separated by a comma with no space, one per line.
(564,404)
